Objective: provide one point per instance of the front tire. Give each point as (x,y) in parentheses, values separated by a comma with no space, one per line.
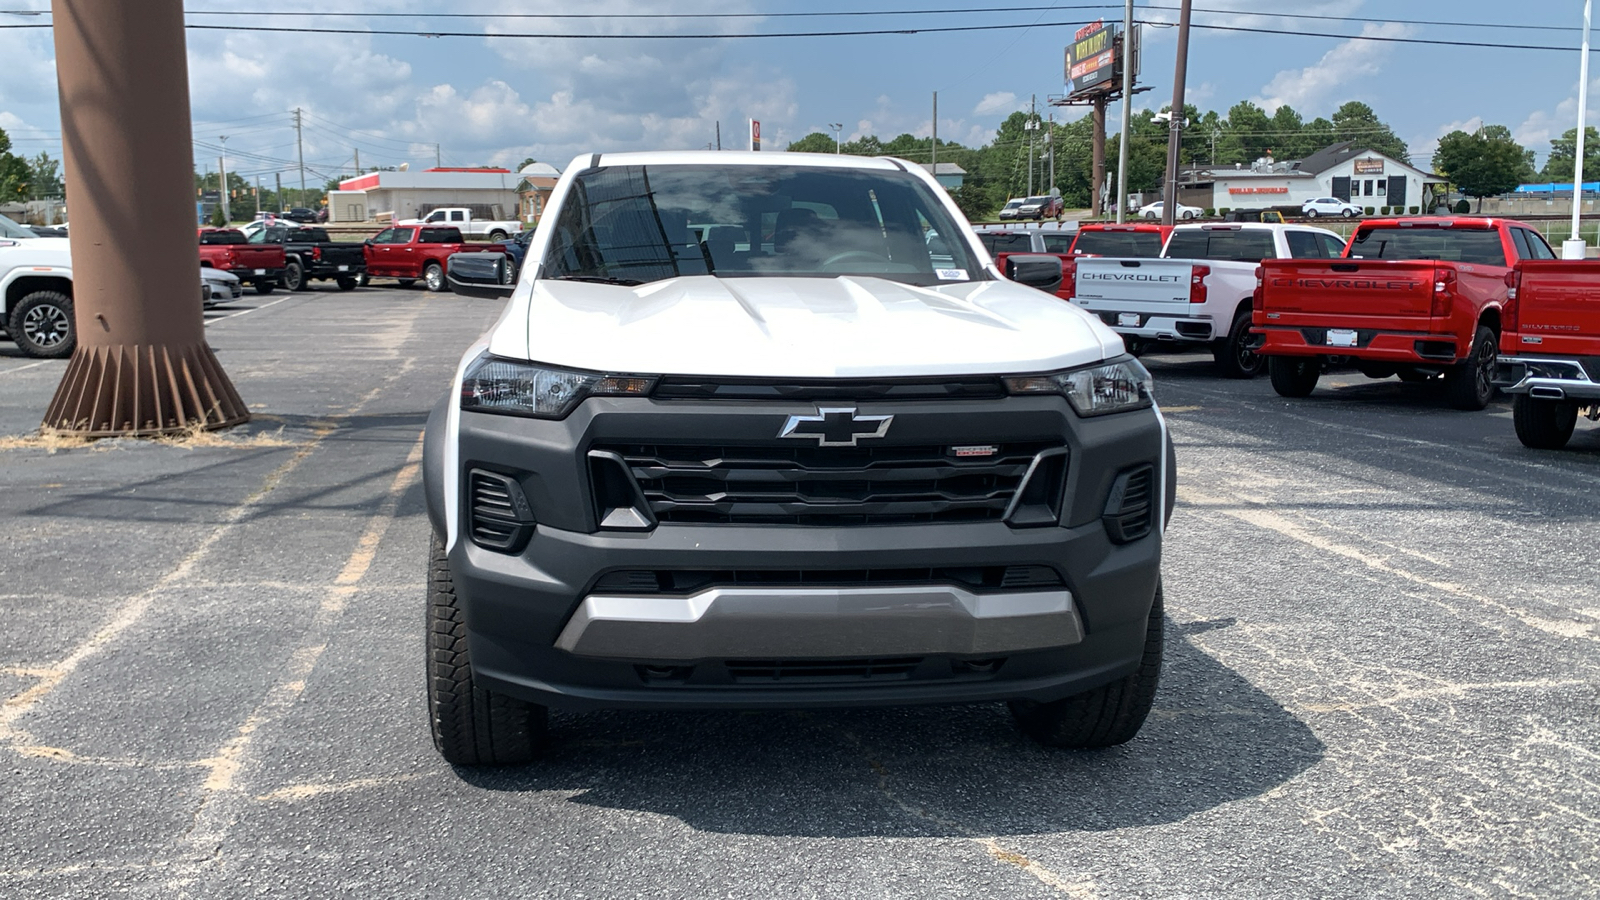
(43,326)
(294,276)
(1311,214)
(1106,716)
(1543,424)
(472,725)
(1470,383)
(433,277)
(1293,376)
(1234,357)
(1349,214)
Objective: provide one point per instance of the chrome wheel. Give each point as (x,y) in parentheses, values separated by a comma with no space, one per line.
(434,278)
(46,326)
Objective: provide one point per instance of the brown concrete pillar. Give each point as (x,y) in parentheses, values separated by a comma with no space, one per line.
(142,365)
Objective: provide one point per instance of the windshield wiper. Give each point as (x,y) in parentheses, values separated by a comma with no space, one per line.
(599,279)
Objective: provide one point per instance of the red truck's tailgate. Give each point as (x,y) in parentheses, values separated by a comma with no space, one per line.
(257,256)
(1348,289)
(1559,304)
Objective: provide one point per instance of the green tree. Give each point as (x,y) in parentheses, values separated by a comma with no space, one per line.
(1483,164)
(14,174)
(1562,164)
(815,142)
(1356,121)
(44,176)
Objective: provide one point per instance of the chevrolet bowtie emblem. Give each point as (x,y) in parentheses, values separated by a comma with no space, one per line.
(836,427)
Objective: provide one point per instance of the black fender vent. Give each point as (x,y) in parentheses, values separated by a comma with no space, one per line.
(499,517)
(1130,510)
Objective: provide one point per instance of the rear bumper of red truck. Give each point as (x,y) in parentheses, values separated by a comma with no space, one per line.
(1378,344)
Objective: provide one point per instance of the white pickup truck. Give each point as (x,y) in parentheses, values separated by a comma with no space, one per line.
(461,217)
(1199,291)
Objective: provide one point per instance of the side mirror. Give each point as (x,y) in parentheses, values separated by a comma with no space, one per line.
(1035,271)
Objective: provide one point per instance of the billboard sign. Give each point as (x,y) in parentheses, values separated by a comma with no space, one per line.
(1369,167)
(755,135)
(1092,60)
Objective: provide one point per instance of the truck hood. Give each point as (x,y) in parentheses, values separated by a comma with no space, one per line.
(842,327)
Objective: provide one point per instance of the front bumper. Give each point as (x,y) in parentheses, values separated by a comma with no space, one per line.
(550,624)
(1407,347)
(1549,377)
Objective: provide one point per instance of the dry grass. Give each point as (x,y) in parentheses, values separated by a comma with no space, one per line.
(52,440)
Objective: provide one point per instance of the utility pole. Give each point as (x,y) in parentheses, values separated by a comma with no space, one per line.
(1096,203)
(1169,206)
(934,169)
(1050,149)
(222,179)
(1575,246)
(438,157)
(300,150)
(258,196)
(719,134)
(1031,126)
(278,193)
(1127,111)
(358,160)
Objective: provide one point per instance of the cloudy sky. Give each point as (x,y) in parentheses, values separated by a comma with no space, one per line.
(498,98)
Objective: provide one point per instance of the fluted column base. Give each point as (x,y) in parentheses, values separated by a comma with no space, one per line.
(144,391)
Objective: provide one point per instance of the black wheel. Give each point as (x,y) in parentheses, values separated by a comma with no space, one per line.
(264,287)
(1294,376)
(42,325)
(497,235)
(472,725)
(1233,354)
(1105,716)
(347,282)
(294,276)
(433,277)
(1543,424)
(1470,383)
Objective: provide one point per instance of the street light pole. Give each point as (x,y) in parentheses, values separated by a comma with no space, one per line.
(1127,111)
(222,181)
(1576,247)
(1169,207)
(838,129)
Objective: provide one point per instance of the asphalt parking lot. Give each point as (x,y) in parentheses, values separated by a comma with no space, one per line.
(1382,677)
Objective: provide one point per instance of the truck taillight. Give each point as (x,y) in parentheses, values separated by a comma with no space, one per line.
(1197,284)
(1258,298)
(1444,292)
(1069,280)
(316,253)
(1509,314)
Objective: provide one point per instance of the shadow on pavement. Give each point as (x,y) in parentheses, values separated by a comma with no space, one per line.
(927,771)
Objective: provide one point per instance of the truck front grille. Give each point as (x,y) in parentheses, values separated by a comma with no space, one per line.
(827,486)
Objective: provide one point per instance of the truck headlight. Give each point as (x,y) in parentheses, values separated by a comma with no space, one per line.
(1094,390)
(544,392)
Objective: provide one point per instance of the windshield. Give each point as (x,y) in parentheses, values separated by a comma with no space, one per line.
(1477,246)
(637,224)
(10,229)
(1119,243)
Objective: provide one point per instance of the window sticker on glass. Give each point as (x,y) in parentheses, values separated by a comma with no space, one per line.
(951,274)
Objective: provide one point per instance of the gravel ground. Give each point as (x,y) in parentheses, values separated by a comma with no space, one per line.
(1382,674)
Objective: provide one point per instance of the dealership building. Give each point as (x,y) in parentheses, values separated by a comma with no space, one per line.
(1346,171)
(391,196)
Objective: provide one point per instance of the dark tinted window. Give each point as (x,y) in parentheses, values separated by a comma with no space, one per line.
(1537,247)
(1006,243)
(637,224)
(441,236)
(1243,245)
(308,235)
(1304,245)
(1139,244)
(1061,243)
(1475,246)
(1519,240)
(223,237)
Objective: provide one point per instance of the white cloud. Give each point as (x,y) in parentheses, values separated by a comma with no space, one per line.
(1544,125)
(1001,103)
(1312,89)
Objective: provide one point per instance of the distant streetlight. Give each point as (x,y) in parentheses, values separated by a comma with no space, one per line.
(1576,247)
(838,129)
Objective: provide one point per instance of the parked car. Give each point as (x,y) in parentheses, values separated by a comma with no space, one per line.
(1418,298)
(14,231)
(494,266)
(1330,206)
(1198,293)
(36,290)
(1155,211)
(461,218)
(310,256)
(299,214)
(217,286)
(410,252)
(1269,216)
(258,265)
(820,469)
(1013,208)
(1550,348)
(1006,241)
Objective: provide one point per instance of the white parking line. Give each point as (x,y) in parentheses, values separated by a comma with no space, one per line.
(246,312)
(28,366)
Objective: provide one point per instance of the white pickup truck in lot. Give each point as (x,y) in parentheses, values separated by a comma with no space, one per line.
(744,438)
(1198,293)
(462,218)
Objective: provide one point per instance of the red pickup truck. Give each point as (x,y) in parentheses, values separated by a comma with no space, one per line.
(1550,350)
(1419,298)
(258,265)
(410,252)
